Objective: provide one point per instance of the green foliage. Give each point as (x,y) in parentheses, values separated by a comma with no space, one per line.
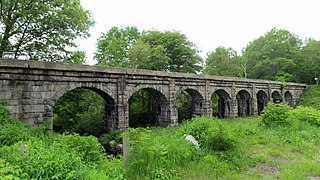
(142,110)
(8,171)
(76,57)
(223,62)
(215,104)
(165,51)
(283,115)
(165,154)
(62,158)
(37,153)
(13,130)
(184,106)
(276,115)
(112,136)
(41,30)
(143,56)
(273,55)
(309,64)
(311,97)
(211,133)
(113,46)
(157,153)
(305,114)
(81,111)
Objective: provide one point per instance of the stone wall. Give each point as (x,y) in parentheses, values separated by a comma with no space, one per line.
(32,88)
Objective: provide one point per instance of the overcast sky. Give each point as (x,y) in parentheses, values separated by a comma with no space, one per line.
(207,23)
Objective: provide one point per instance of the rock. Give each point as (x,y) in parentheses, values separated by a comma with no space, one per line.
(192,140)
(119,148)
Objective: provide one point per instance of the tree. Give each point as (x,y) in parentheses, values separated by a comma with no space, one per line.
(309,64)
(143,56)
(273,55)
(223,62)
(113,46)
(40,29)
(76,57)
(165,51)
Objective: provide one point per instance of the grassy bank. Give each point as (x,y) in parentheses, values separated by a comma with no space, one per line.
(230,149)
(284,143)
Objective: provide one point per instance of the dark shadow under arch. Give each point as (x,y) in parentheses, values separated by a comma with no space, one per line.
(288,98)
(190,104)
(262,100)
(93,111)
(148,107)
(244,103)
(276,97)
(220,104)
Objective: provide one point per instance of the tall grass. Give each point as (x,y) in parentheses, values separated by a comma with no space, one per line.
(38,153)
(165,154)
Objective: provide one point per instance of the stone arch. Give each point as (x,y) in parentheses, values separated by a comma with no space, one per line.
(223,103)
(70,87)
(161,104)
(244,103)
(197,100)
(262,99)
(276,97)
(158,88)
(289,98)
(111,119)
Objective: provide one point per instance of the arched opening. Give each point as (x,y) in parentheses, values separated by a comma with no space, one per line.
(220,104)
(148,107)
(87,111)
(189,104)
(276,97)
(244,103)
(262,99)
(288,98)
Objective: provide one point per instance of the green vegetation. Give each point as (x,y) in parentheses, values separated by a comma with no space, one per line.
(38,30)
(273,146)
(282,144)
(311,97)
(38,153)
(247,148)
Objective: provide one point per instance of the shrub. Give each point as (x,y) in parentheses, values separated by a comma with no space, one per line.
(212,134)
(67,157)
(311,97)
(276,115)
(8,171)
(305,114)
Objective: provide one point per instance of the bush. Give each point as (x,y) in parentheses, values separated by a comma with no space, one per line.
(66,157)
(8,171)
(37,153)
(276,115)
(311,97)
(212,134)
(305,114)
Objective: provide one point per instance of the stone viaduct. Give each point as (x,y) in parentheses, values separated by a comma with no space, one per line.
(31,89)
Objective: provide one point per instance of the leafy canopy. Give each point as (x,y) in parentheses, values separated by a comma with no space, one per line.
(113,46)
(165,51)
(40,29)
(273,55)
(223,62)
(309,64)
